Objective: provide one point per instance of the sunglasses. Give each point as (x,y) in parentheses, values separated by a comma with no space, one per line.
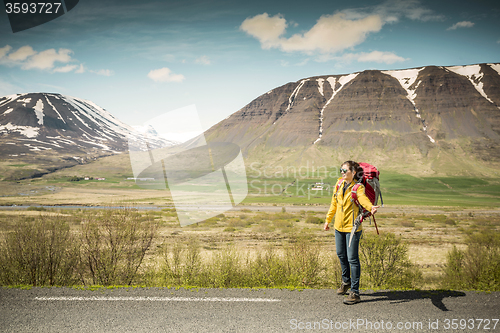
(344,170)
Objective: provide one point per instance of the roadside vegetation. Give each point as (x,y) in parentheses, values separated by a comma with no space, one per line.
(54,247)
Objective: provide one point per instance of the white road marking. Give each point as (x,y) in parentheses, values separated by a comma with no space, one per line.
(157,299)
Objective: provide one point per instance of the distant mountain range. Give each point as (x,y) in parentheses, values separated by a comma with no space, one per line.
(63,124)
(424,120)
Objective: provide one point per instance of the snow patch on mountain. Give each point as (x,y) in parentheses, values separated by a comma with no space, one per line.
(55,110)
(474,74)
(331,80)
(294,94)
(407,79)
(100,116)
(24,101)
(292,97)
(27,131)
(9,98)
(496,67)
(320,86)
(39,111)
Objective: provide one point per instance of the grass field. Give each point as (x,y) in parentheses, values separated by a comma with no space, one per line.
(397,189)
(280,187)
(287,185)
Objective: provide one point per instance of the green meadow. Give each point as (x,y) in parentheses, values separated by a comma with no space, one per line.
(397,190)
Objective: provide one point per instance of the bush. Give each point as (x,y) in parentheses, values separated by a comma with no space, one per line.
(300,264)
(385,262)
(408,224)
(477,267)
(238,223)
(182,262)
(114,245)
(75,179)
(303,263)
(314,220)
(39,253)
(38,209)
(283,225)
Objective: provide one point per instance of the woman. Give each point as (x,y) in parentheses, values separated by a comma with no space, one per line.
(345,212)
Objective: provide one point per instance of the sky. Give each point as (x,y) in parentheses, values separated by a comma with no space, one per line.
(140,59)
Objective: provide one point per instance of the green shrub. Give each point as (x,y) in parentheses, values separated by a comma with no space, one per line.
(450,222)
(224,270)
(477,267)
(408,224)
(439,218)
(39,253)
(299,264)
(264,226)
(182,262)
(267,269)
(238,223)
(385,262)
(38,209)
(114,244)
(304,265)
(314,220)
(284,225)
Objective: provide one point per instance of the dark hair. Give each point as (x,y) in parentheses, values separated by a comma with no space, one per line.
(355,168)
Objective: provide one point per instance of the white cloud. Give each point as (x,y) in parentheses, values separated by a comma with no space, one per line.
(80,69)
(462,24)
(65,69)
(379,57)
(165,75)
(47,58)
(330,34)
(266,29)
(374,56)
(22,53)
(391,11)
(27,59)
(337,32)
(4,50)
(203,60)
(103,72)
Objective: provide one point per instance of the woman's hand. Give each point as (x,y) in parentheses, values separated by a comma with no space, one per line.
(374,209)
(326,227)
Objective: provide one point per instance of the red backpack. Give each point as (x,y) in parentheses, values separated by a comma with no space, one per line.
(370,181)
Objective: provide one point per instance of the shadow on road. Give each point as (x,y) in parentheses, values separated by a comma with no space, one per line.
(436,296)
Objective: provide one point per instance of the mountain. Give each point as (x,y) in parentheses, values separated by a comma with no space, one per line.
(55,131)
(43,121)
(425,120)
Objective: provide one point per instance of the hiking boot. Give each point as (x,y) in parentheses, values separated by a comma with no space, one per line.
(353,298)
(343,289)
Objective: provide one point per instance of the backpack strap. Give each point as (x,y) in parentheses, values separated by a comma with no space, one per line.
(354,194)
(337,187)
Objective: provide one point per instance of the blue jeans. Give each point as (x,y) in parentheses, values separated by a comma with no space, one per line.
(349,258)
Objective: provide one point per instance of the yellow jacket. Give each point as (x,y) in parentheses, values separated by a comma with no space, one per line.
(344,209)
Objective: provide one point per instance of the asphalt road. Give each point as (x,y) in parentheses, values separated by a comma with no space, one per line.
(244,310)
